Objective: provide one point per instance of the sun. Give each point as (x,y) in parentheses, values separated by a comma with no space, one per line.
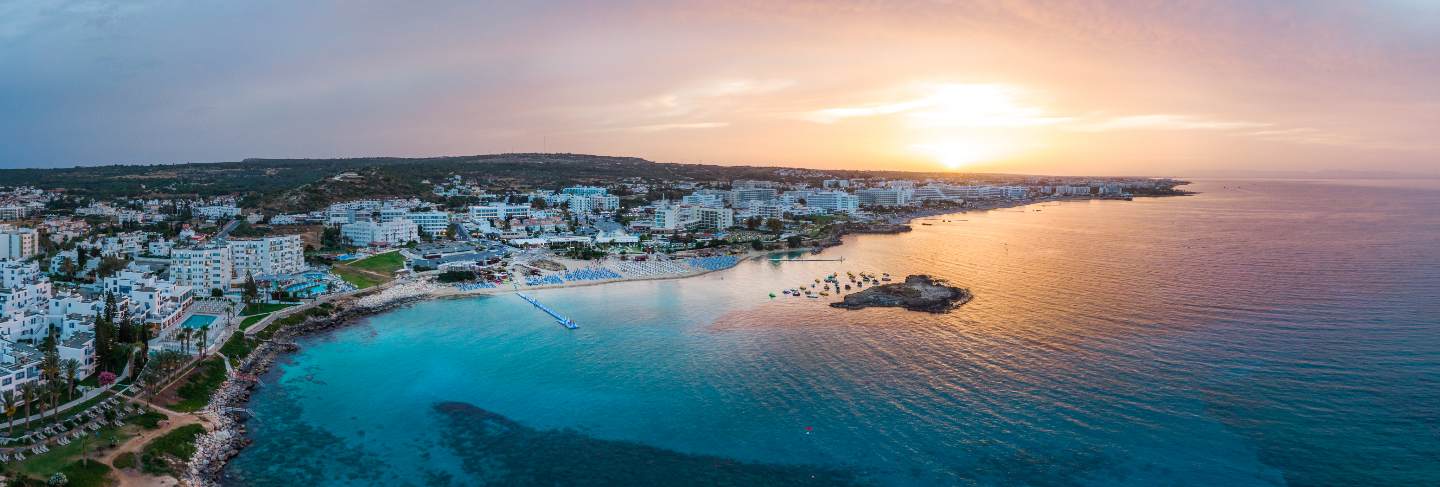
(955,154)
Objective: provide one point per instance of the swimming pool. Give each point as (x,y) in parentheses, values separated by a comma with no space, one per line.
(197,321)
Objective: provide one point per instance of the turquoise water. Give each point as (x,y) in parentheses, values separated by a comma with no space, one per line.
(197,321)
(1261,333)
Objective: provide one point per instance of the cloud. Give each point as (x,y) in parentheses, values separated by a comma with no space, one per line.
(1162,122)
(662,127)
(951,105)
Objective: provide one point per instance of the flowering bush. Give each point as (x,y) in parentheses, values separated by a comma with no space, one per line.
(107,378)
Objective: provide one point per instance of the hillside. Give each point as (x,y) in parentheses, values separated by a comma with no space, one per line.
(307,184)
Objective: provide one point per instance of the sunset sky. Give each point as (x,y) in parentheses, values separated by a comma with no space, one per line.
(1107,88)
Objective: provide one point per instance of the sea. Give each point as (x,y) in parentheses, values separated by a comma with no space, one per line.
(1260,332)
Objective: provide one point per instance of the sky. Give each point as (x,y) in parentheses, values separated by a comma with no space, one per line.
(1056,87)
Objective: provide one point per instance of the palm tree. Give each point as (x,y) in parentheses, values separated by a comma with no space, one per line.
(52,376)
(27,392)
(55,389)
(9,398)
(72,370)
(204,335)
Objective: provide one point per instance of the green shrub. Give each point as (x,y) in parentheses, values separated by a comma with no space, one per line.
(125,460)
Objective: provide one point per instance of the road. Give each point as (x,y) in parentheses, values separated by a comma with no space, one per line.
(228,227)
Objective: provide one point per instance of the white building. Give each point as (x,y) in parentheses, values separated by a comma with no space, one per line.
(499,211)
(434,223)
(269,256)
(712,218)
(367,233)
(700,199)
(205,267)
(834,201)
(683,217)
(18,242)
(585,191)
(744,196)
(152,300)
(216,212)
(884,197)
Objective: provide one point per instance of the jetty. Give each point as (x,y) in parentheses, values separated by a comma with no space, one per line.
(566,322)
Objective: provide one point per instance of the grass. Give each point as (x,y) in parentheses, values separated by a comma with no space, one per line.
(21,428)
(61,457)
(363,273)
(264,308)
(237,348)
(148,420)
(359,279)
(86,474)
(386,263)
(178,443)
(126,460)
(251,320)
(202,383)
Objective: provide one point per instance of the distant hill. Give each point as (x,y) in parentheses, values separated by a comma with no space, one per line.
(306,184)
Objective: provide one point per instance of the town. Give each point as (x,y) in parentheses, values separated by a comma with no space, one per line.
(145,295)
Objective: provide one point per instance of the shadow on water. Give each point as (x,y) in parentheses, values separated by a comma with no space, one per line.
(497,451)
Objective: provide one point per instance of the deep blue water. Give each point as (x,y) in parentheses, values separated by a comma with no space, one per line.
(1260,333)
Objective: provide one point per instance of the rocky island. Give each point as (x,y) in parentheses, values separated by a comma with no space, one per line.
(918,293)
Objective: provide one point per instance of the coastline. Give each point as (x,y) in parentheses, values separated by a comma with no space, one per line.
(215,448)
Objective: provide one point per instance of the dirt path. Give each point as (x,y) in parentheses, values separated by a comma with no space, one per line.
(134,477)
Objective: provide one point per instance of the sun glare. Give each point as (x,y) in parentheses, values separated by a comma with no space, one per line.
(955,154)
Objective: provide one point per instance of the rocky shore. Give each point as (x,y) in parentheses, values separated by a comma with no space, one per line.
(226,408)
(918,293)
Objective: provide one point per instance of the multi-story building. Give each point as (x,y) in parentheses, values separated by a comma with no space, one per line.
(152,301)
(203,267)
(585,191)
(394,232)
(13,212)
(744,196)
(499,211)
(712,218)
(884,197)
(834,201)
(684,217)
(18,242)
(268,257)
(434,223)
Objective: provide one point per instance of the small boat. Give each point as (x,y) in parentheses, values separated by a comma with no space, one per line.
(772,295)
(823,293)
(812,296)
(847,287)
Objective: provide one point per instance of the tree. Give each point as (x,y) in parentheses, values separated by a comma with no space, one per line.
(251,292)
(752,222)
(757,244)
(184,336)
(126,331)
(50,368)
(67,265)
(103,341)
(215,292)
(794,241)
(10,405)
(774,225)
(72,371)
(204,335)
(27,393)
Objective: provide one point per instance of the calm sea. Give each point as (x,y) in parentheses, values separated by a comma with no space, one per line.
(1259,333)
